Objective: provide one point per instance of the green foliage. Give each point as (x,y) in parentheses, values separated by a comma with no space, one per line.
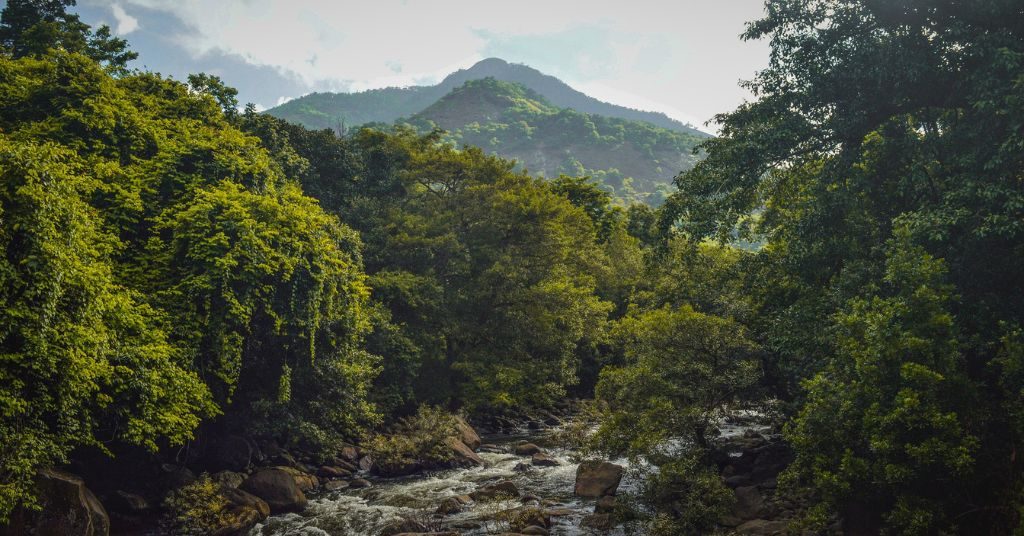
(31,27)
(197,509)
(880,166)
(515,122)
(687,364)
(420,440)
(688,497)
(82,357)
(885,423)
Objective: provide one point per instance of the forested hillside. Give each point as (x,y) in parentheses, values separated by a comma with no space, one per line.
(631,160)
(207,313)
(330,110)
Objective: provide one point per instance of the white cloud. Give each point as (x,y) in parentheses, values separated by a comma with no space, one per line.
(682,56)
(126,23)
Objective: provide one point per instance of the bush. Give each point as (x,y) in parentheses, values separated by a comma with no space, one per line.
(197,508)
(687,496)
(418,440)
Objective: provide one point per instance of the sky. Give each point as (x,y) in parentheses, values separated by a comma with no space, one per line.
(681,57)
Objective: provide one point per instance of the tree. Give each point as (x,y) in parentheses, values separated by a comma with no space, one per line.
(688,365)
(83,359)
(878,122)
(30,27)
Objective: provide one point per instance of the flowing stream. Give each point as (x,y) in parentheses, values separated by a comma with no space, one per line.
(366,512)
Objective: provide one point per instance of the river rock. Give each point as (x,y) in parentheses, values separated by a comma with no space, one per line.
(527,449)
(763,527)
(335,485)
(451,505)
(597,478)
(535,530)
(67,508)
(246,510)
(359,483)
(304,480)
(749,503)
(504,488)
(349,453)
(597,522)
(543,460)
(228,479)
(403,526)
(331,471)
(277,488)
(467,434)
(463,455)
(605,505)
(366,463)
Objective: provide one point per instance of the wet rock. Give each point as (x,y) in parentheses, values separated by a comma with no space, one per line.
(464,456)
(304,480)
(543,460)
(359,483)
(533,529)
(366,463)
(228,479)
(350,454)
(492,448)
(522,467)
(67,508)
(492,491)
(533,425)
(597,478)
(530,498)
(763,527)
(749,503)
(451,505)
(404,526)
(467,434)
(559,512)
(527,449)
(331,471)
(597,522)
(605,505)
(277,488)
(238,498)
(336,485)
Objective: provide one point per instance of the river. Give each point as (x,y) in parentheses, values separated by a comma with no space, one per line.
(366,512)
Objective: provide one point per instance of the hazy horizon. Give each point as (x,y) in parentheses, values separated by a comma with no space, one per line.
(683,59)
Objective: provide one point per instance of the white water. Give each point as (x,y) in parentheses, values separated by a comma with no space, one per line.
(367,511)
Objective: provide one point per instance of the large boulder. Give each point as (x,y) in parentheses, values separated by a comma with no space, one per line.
(749,503)
(597,478)
(467,434)
(304,480)
(67,507)
(463,455)
(246,511)
(543,460)
(527,449)
(277,488)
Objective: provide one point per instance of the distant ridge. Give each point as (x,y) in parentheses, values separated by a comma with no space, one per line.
(331,110)
(633,160)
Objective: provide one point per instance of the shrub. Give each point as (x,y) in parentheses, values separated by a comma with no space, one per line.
(420,439)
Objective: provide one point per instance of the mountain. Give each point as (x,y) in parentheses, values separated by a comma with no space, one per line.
(329,110)
(635,160)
